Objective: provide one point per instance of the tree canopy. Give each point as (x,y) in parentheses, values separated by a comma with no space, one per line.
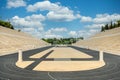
(63,41)
(110,26)
(6,24)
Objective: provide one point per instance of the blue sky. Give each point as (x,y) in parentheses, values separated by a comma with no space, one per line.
(60,18)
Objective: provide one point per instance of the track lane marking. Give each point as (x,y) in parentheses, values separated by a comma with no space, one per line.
(51,76)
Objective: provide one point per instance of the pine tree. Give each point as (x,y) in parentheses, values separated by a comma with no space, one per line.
(114,26)
(111,26)
(102,29)
(106,27)
(118,23)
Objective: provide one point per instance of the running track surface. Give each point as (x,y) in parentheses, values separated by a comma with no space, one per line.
(9,71)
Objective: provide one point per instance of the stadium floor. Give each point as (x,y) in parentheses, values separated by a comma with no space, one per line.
(9,71)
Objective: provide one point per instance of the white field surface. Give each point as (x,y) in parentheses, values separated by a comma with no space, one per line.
(24,64)
(68,65)
(67,52)
(11,41)
(39,55)
(108,41)
(63,52)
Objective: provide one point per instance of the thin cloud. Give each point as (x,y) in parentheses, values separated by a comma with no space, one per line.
(15,3)
(94,26)
(73,33)
(86,19)
(59,29)
(101,18)
(55,32)
(53,36)
(105,18)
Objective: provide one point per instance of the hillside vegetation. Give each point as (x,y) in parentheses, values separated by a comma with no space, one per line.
(111,26)
(6,24)
(63,41)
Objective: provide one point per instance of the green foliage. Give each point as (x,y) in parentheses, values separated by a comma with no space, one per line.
(106,27)
(54,41)
(111,26)
(19,30)
(102,29)
(118,22)
(6,24)
(114,25)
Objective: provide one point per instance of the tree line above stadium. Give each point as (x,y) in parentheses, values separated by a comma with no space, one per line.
(110,26)
(6,24)
(63,41)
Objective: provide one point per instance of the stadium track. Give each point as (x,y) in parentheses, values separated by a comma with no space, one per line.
(9,71)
